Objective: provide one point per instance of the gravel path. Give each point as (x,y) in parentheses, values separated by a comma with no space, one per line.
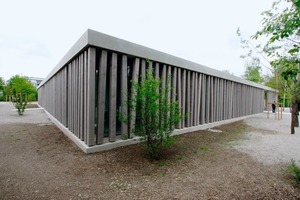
(270,142)
(31,115)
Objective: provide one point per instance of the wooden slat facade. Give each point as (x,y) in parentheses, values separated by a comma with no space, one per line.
(87,92)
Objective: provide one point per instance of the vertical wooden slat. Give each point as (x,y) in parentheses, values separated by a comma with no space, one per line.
(221,107)
(85,99)
(192,115)
(179,94)
(196,119)
(143,69)
(217,95)
(113,98)
(232,100)
(174,84)
(163,77)
(66,79)
(135,78)
(212,99)
(228,96)
(215,99)
(91,96)
(69,95)
(157,77)
(203,100)
(207,104)
(184,97)
(163,86)
(124,108)
(81,97)
(150,66)
(188,98)
(168,77)
(157,70)
(76,98)
(229,86)
(199,98)
(101,95)
(72,96)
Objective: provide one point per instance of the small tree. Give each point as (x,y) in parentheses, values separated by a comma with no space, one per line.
(20,102)
(156,114)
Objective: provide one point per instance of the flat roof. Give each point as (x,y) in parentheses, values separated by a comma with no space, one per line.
(97,39)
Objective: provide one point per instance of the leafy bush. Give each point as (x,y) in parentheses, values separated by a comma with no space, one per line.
(20,102)
(156,114)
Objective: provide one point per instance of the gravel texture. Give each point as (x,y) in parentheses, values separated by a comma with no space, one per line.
(270,141)
(33,114)
(37,161)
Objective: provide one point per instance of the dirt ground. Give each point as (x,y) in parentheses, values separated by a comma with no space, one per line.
(37,161)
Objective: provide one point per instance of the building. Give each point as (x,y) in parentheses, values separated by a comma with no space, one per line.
(86,89)
(35,81)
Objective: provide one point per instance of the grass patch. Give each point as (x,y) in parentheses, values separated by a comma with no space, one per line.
(294,170)
(180,157)
(204,148)
(161,163)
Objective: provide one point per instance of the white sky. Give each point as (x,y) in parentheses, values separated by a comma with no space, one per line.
(35,34)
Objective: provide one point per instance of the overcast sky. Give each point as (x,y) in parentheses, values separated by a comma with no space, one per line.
(35,34)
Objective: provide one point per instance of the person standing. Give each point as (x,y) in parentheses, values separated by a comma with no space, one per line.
(273,107)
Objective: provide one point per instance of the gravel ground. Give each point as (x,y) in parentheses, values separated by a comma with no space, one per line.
(270,141)
(33,114)
(37,161)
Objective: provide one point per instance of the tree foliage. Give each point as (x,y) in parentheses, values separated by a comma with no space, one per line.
(253,71)
(283,30)
(21,85)
(283,86)
(2,87)
(156,114)
(282,26)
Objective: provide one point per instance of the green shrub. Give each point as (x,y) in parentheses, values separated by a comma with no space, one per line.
(294,170)
(156,114)
(20,102)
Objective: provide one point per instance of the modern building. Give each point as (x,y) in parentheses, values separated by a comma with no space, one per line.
(35,81)
(88,87)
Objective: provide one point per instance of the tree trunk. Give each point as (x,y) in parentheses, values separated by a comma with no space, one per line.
(295,110)
(295,122)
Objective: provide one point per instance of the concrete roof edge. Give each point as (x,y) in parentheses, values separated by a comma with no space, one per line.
(81,43)
(116,44)
(95,38)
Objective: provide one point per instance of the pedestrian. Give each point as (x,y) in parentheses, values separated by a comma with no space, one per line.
(273,107)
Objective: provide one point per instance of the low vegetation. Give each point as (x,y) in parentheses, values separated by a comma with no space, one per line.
(294,170)
(158,115)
